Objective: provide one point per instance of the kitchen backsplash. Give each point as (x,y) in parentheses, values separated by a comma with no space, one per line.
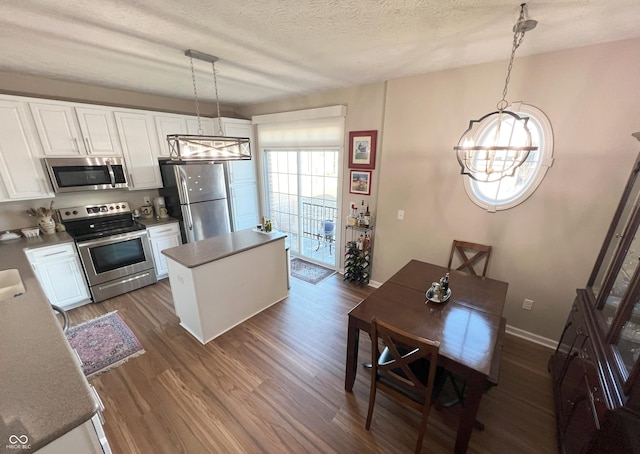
(13,215)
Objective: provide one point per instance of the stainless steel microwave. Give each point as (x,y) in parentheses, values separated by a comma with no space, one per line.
(86,174)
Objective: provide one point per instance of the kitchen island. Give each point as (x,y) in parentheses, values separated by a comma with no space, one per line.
(217,283)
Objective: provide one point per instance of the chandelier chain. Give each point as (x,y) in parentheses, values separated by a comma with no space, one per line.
(518,37)
(195,94)
(215,86)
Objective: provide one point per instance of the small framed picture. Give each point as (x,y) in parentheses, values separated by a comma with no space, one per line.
(362,149)
(360,182)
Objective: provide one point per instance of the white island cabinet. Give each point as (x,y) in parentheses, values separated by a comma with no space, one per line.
(219,282)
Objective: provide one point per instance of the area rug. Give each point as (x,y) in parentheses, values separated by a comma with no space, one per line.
(309,272)
(104,343)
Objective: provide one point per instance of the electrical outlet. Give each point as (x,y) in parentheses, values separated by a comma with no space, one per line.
(400,215)
(527,305)
(147,201)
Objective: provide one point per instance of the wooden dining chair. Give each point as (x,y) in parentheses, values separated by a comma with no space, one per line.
(471,256)
(407,370)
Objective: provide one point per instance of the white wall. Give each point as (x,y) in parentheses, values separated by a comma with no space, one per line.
(545,247)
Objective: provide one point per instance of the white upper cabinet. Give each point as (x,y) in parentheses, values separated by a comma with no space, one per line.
(243,183)
(68,130)
(141,149)
(240,171)
(167,124)
(99,131)
(21,172)
(32,128)
(207,125)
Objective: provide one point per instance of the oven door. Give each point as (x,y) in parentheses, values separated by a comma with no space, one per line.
(115,257)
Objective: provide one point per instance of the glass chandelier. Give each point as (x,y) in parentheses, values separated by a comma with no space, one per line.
(186,147)
(489,159)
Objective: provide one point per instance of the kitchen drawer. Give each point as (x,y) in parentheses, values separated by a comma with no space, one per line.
(164,229)
(51,252)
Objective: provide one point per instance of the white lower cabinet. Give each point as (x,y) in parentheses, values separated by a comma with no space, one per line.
(84,439)
(87,438)
(60,274)
(163,237)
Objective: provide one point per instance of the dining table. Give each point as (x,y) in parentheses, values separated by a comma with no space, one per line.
(469,326)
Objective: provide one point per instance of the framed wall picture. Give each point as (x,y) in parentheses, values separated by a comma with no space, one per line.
(362,149)
(360,182)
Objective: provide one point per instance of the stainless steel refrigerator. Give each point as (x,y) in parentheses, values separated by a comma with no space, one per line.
(196,194)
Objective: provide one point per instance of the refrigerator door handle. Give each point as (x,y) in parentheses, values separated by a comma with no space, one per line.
(190,220)
(185,191)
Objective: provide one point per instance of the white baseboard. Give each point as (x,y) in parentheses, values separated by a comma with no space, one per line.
(545,342)
(374,284)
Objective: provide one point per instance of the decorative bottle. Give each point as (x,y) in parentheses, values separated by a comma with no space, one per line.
(445,283)
(352,220)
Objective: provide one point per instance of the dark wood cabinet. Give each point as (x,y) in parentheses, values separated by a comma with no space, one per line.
(595,368)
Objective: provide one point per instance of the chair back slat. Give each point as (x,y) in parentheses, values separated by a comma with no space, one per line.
(471,257)
(407,372)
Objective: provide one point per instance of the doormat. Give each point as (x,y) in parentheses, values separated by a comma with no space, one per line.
(104,343)
(309,272)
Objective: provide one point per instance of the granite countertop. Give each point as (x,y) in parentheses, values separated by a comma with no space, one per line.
(208,250)
(43,391)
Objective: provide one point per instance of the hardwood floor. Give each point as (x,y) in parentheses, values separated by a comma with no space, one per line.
(274,385)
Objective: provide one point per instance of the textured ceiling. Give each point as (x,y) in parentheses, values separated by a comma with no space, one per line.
(273,49)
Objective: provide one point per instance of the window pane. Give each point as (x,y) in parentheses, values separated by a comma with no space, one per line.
(313,190)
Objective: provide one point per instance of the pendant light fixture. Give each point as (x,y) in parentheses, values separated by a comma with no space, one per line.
(185,147)
(491,156)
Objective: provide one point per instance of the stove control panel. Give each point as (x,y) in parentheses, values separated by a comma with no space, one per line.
(90,211)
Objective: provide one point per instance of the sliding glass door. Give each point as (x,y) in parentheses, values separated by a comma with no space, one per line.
(302,194)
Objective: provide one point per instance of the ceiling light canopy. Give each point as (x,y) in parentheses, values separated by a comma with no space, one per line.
(192,147)
(491,158)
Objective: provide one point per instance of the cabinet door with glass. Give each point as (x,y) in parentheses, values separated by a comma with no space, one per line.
(614,286)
